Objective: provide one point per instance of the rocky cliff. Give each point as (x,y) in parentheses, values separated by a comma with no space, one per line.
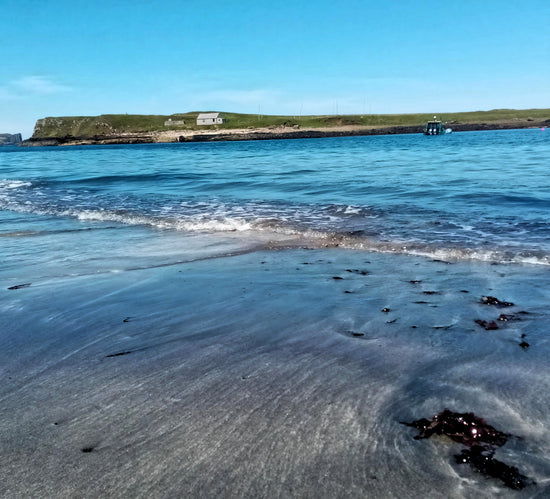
(9,139)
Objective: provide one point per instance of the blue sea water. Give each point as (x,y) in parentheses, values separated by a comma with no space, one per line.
(473,195)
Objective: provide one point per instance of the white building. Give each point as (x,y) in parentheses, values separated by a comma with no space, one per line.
(210,119)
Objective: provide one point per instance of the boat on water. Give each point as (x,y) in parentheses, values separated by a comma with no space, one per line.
(435,127)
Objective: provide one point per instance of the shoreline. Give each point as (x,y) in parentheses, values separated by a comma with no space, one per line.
(206,378)
(264,133)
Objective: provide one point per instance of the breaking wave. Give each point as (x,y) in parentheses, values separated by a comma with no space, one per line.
(394,229)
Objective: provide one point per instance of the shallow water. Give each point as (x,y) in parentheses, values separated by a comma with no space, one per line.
(262,375)
(208,318)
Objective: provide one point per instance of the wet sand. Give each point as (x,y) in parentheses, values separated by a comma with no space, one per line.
(269,374)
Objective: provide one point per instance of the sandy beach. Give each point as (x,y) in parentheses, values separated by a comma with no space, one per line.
(269,374)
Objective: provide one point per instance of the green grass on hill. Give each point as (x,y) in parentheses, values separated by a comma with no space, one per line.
(112,124)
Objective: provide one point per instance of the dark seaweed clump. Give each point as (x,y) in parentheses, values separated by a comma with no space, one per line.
(464,428)
(488,325)
(481,459)
(481,440)
(19,286)
(491,300)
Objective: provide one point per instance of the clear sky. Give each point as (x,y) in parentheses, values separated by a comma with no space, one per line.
(82,57)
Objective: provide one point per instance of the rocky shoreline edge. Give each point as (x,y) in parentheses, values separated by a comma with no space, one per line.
(170,136)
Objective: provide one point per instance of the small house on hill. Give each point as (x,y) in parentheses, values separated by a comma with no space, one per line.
(210,119)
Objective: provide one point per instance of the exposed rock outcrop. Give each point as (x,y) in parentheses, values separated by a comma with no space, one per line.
(69,140)
(10,139)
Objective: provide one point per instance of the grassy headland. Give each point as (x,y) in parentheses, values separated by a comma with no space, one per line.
(152,128)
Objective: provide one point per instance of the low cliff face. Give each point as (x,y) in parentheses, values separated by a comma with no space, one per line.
(104,129)
(9,139)
(72,126)
(70,140)
(106,125)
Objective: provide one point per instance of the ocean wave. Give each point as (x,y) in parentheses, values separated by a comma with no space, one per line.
(155,177)
(288,235)
(382,229)
(500,199)
(447,254)
(191,224)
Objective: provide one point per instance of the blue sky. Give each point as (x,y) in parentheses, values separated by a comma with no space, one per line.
(65,58)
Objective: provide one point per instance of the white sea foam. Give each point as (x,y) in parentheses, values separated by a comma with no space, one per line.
(309,233)
(352,210)
(13,184)
(193,223)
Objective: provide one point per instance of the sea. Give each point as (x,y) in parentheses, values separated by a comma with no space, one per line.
(380,249)
(474,195)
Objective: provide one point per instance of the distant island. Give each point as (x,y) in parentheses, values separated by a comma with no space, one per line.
(215,126)
(10,139)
